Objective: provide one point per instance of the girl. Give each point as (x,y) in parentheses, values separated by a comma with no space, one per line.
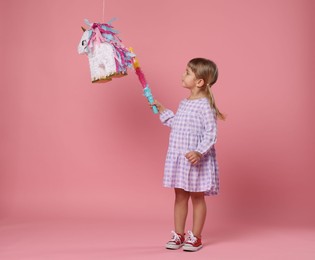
(191,167)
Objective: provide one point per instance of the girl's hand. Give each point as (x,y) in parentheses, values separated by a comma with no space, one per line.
(158,105)
(193,157)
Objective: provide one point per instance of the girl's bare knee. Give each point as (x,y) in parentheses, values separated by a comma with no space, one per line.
(181,194)
(197,197)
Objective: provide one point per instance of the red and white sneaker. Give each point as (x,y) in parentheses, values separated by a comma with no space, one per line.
(192,243)
(176,242)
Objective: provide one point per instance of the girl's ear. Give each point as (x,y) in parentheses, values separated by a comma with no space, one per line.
(200,83)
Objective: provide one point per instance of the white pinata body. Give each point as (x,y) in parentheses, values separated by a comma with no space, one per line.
(108,58)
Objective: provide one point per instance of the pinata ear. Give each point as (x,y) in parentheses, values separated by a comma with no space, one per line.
(83,29)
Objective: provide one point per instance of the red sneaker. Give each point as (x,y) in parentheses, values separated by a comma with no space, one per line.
(176,242)
(192,243)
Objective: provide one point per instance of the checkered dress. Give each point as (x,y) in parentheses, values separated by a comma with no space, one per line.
(193,128)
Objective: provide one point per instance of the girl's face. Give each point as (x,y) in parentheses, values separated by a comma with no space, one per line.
(189,79)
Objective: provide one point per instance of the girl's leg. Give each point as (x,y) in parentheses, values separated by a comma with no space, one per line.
(199,212)
(180,210)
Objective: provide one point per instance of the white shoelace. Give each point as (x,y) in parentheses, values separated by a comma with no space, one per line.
(175,237)
(191,238)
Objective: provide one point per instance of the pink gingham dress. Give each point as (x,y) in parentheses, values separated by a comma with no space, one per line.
(193,128)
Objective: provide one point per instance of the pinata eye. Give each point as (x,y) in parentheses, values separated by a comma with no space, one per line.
(83,42)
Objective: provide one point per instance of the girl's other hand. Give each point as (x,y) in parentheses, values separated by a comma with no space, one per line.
(193,157)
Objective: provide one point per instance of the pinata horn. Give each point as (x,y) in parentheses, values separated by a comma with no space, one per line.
(83,29)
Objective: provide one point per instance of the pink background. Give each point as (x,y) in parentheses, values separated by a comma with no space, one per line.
(70,148)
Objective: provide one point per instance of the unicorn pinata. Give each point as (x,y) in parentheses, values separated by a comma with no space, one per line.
(108,57)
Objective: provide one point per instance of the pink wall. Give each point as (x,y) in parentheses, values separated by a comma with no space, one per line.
(69,147)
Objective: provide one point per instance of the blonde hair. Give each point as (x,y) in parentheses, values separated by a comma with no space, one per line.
(206,70)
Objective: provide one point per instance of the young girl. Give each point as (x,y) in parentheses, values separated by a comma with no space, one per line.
(191,167)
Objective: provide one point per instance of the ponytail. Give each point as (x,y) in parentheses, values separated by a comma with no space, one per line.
(208,71)
(210,97)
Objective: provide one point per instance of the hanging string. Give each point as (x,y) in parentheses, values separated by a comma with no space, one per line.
(103,21)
